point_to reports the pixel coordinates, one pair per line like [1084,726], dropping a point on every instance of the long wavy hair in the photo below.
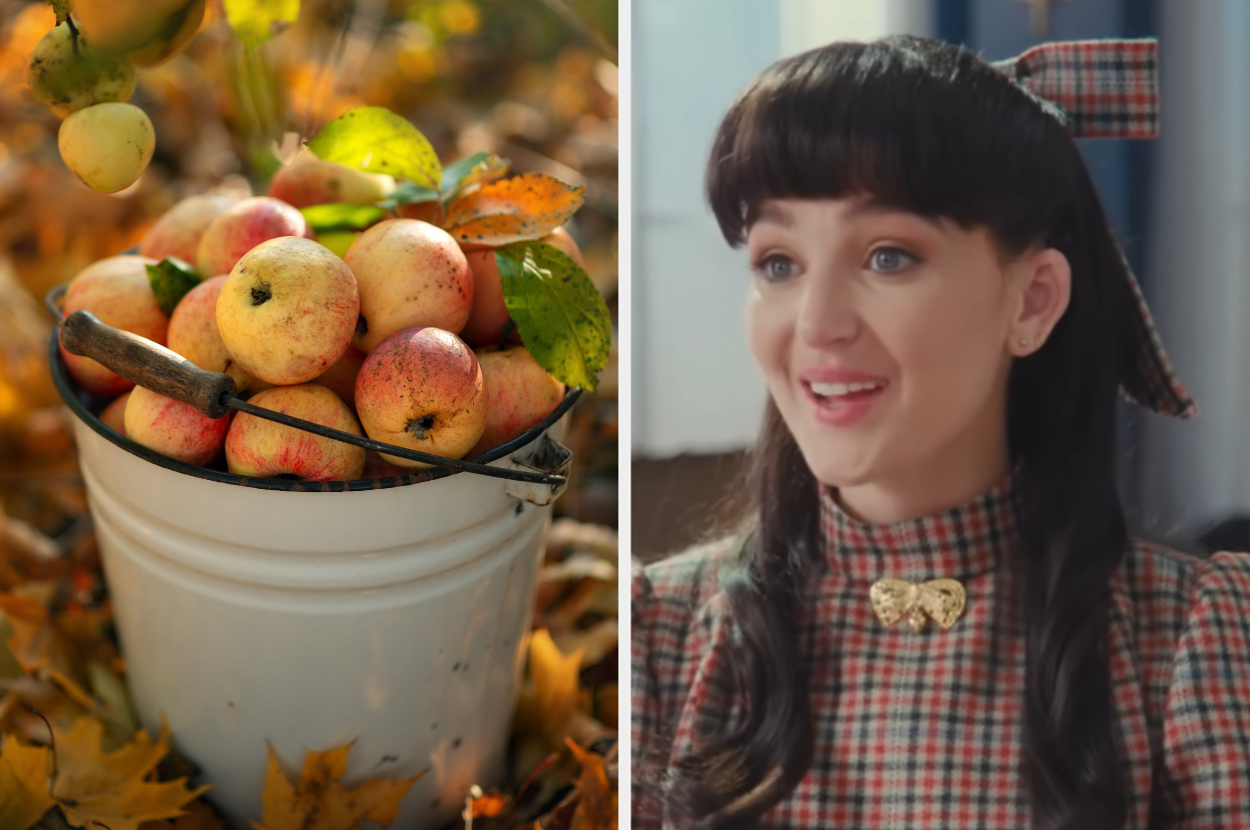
[932,129]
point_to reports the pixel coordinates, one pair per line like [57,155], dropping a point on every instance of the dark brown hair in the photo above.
[934,130]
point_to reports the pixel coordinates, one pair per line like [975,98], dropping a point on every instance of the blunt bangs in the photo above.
[917,125]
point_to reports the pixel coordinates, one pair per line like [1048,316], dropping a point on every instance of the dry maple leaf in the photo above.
[96,789]
[597,804]
[320,802]
[24,794]
[42,649]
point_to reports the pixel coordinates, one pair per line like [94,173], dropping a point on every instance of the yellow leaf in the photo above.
[41,647]
[528,206]
[555,681]
[23,784]
[596,808]
[96,789]
[320,802]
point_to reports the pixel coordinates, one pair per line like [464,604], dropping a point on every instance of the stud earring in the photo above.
[1023,343]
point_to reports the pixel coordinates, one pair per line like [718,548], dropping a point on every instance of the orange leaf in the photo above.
[23,784]
[320,802]
[528,206]
[112,790]
[597,807]
[41,647]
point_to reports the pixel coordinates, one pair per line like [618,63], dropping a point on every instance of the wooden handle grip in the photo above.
[148,364]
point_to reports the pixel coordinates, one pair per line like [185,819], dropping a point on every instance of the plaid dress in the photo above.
[923,730]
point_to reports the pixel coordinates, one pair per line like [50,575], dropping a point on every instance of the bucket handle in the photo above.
[167,373]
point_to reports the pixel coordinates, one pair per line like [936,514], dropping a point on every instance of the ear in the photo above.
[1043,289]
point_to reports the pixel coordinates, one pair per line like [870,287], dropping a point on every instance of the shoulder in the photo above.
[1164,580]
[687,580]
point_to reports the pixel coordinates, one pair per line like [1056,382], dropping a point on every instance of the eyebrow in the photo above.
[870,206]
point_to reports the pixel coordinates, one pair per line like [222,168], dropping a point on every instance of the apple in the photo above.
[489,318]
[65,74]
[340,378]
[146,32]
[114,415]
[376,466]
[108,145]
[115,289]
[174,428]
[259,447]
[411,273]
[241,227]
[309,180]
[287,311]
[193,334]
[422,389]
[177,233]
[519,394]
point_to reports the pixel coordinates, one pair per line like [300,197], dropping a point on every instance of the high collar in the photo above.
[955,543]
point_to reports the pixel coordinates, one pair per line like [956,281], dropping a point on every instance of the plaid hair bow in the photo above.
[1110,89]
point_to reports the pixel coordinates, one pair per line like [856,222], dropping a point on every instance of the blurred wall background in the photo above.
[1180,204]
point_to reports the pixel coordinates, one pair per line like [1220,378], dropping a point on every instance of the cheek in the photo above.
[951,357]
[768,330]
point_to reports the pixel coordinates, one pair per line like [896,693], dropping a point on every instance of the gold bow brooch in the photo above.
[941,599]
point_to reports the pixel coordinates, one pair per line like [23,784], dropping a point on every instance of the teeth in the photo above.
[826,390]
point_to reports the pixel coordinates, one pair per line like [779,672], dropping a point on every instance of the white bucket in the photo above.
[396,618]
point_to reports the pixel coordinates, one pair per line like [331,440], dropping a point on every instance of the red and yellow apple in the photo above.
[519,394]
[174,428]
[259,447]
[241,227]
[114,415]
[193,334]
[489,318]
[177,233]
[288,310]
[411,273]
[422,389]
[116,290]
[340,378]
[309,180]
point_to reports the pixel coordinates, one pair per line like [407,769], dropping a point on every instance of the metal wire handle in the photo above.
[89,331]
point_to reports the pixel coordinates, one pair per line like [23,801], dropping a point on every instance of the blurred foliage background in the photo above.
[532,80]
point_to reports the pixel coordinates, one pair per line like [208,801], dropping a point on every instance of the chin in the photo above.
[837,469]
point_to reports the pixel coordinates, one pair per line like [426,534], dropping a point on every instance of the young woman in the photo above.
[935,617]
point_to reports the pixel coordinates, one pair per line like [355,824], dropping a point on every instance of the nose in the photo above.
[827,315]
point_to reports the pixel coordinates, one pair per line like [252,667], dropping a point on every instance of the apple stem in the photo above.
[508,328]
[73,32]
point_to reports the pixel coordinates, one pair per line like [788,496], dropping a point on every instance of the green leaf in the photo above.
[171,279]
[408,193]
[256,21]
[476,169]
[561,316]
[376,140]
[342,216]
[61,7]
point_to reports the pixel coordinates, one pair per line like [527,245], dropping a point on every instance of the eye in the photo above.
[889,260]
[775,268]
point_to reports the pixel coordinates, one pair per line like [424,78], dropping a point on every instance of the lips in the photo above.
[841,396]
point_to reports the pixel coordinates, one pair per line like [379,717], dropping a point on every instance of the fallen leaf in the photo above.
[23,784]
[320,802]
[528,206]
[42,649]
[97,789]
[596,807]
[551,702]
